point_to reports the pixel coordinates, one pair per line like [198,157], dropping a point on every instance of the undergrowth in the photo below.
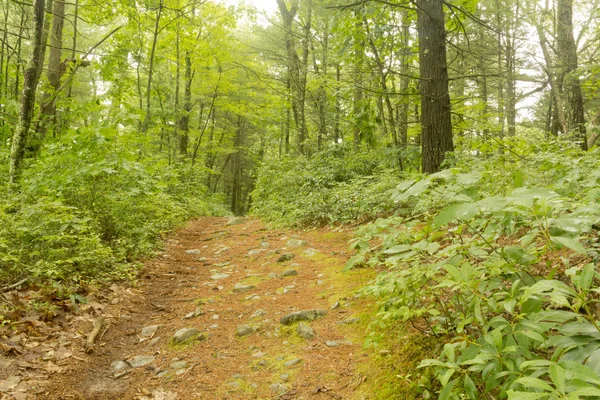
[497,259]
[89,206]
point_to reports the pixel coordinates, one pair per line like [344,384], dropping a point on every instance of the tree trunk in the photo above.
[146,122]
[567,52]
[436,124]
[184,127]
[404,81]
[30,82]
[47,118]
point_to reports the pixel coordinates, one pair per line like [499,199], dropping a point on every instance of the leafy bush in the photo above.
[87,205]
[499,264]
[336,185]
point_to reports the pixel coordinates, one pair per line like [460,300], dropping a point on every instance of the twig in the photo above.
[14,285]
[89,344]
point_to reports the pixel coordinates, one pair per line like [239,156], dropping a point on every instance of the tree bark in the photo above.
[30,82]
[567,52]
[146,123]
[436,124]
[47,117]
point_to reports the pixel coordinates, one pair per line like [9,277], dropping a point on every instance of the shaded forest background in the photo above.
[460,134]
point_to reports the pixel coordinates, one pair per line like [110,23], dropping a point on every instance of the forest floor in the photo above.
[230,287]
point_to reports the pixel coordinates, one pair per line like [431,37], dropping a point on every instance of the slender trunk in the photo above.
[146,122]
[404,82]
[184,127]
[47,117]
[554,89]
[30,81]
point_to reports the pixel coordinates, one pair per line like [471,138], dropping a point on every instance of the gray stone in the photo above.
[196,313]
[185,334]
[243,330]
[320,282]
[154,341]
[292,362]
[178,364]
[310,252]
[252,297]
[258,313]
[305,331]
[255,252]
[239,288]
[219,276]
[265,245]
[150,330]
[305,315]
[192,251]
[140,361]
[278,388]
[295,243]
[118,366]
[284,377]
[272,275]
[285,257]
[349,321]
[338,343]
[290,272]
[335,305]
[235,221]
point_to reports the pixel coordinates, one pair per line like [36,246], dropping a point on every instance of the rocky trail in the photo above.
[230,310]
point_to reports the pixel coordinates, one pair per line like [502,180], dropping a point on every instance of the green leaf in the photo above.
[512,395]
[530,382]
[557,374]
[401,248]
[587,277]
[461,211]
[572,244]
[447,391]
[470,388]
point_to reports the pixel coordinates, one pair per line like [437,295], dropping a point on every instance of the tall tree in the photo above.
[436,124]
[30,83]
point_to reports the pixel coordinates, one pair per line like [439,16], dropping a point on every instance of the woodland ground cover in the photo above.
[493,259]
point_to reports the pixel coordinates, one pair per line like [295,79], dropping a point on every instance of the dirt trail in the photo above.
[227,281]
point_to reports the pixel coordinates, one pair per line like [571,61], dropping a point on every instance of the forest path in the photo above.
[231,284]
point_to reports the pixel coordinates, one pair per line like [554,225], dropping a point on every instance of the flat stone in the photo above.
[290,272]
[292,362]
[140,361]
[178,365]
[320,282]
[185,334]
[239,288]
[219,276]
[305,315]
[235,221]
[243,330]
[118,366]
[338,343]
[285,257]
[310,252]
[349,321]
[258,313]
[252,297]
[196,313]
[150,330]
[295,243]
[272,275]
[192,251]
[154,341]
[284,377]
[305,331]
[278,388]
[255,252]
[265,245]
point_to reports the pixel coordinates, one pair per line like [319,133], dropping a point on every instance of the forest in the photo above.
[458,140]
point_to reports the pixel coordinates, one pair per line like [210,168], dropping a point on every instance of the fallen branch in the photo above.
[14,285]
[89,344]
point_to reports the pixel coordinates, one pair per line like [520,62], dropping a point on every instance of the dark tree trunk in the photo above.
[567,53]
[187,107]
[436,124]
[30,82]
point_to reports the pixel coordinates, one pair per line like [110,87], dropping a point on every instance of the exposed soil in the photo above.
[225,365]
